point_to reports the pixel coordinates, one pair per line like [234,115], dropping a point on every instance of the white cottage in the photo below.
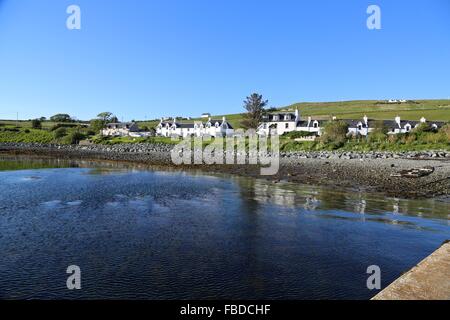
[281,123]
[120,129]
[213,128]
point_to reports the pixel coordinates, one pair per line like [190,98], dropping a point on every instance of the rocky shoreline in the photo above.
[369,171]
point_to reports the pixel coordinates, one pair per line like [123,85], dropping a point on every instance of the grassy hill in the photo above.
[412,110]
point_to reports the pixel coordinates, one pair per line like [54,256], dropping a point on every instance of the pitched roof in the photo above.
[280,115]
[304,123]
[191,125]
[122,125]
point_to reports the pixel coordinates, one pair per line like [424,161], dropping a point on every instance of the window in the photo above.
[359,126]
[316,124]
[408,128]
[287,125]
[275,118]
[287,117]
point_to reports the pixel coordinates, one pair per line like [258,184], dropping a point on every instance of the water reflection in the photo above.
[324,199]
[187,235]
[256,191]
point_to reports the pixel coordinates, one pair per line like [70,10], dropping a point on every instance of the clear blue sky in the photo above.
[146,58]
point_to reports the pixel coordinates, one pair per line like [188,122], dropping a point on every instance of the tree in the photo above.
[335,133]
[380,127]
[36,124]
[61,117]
[105,116]
[254,105]
[97,125]
[102,119]
[379,132]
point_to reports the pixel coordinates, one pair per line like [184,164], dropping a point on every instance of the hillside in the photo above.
[430,109]
[413,110]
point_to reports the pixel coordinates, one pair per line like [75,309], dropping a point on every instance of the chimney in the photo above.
[397,120]
[423,120]
[297,115]
[366,120]
[309,121]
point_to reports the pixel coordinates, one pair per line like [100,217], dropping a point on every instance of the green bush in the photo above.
[445,131]
[63,125]
[376,137]
[60,132]
[36,124]
[334,134]
[73,138]
[298,134]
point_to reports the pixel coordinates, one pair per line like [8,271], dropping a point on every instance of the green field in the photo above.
[430,109]
[22,131]
[26,124]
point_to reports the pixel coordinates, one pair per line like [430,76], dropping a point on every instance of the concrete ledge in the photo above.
[429,280]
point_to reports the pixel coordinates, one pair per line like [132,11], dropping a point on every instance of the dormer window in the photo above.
[359,126]
[275,118]
[316,124]
[287,117]
[408,128]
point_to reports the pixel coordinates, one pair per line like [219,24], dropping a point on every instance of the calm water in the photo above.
[168,235]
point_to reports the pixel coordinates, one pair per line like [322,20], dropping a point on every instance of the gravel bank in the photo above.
[359,171]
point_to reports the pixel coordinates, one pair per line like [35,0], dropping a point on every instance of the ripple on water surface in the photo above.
[166,235]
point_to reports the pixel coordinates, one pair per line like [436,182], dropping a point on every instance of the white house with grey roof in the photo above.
[120,129]
[279,123]
[213,128]
[284,122]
